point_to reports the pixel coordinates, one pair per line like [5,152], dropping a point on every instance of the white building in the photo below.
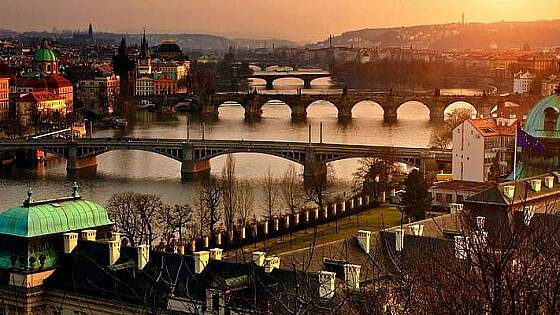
[523,82]
[478,144]
[144,85]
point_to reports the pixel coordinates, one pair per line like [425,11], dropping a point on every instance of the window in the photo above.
[550,119]
[215,302]
[439,197]
[449,198]
[460,198]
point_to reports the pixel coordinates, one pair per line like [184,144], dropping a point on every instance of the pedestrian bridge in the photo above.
[195,155]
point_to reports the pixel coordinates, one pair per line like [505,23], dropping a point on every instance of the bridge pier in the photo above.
[269,84]
[307,83]
[390,116]
[314,171]
[436,114]
[84,165]
[191,170]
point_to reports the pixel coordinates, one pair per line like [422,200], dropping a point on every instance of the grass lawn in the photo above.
[371,220]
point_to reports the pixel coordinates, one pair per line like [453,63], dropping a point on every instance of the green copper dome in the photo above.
[53,217]
[44,55]
[543,120]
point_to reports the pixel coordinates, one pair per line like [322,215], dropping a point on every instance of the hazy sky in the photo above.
[300,20]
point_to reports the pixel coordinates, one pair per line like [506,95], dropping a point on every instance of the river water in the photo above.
[146,172]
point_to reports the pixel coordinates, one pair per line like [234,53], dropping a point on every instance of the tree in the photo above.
[210,198]
[228,184]
[135,215]
[244,202]
[291,191]
[270,186]
[443,134]
[174,221]
[416,198]
[375,175]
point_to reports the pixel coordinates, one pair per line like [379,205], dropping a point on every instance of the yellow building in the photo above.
[39,104]
[4,98]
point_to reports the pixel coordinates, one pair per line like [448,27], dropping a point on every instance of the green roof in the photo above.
[534,124]
[53,217]
[44,55]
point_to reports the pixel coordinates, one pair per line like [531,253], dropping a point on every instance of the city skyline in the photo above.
[307,23]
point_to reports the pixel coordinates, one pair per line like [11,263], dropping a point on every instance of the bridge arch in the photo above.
[460,104]
[367,109]
[230,109]
[276,108]
[413,109]
[276,163]
[321,108]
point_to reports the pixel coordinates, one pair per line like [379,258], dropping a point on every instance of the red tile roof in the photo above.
[488,127]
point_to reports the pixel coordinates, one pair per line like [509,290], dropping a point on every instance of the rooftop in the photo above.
[54,216]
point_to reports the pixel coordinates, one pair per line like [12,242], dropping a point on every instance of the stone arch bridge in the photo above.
[344,102]
[306,76]
[195,155]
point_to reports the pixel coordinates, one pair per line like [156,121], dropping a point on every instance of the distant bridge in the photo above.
[306,76]
[344,102]
[195,155]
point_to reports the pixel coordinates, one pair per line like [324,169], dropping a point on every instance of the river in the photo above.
[146,172]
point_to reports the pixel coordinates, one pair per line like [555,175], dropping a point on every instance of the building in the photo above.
[523,82]
[550,85]
[164,84]
[483,149]
[63,256]
[446,193]
[45,61]
[176,70]
[144,61]
[169,50]
[4,98]
[33,105]
[99,95]
[144,85]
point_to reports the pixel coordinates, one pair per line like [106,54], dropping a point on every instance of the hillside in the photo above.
[502,35]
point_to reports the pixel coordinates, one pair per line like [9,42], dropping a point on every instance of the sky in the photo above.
[298,20]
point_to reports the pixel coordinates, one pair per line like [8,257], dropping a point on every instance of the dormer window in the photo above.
[550,119]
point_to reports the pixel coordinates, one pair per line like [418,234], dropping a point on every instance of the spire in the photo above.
[144,46]
[90,31]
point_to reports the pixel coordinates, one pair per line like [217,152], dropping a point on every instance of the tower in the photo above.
[463,18]
[90,31]
[144,54]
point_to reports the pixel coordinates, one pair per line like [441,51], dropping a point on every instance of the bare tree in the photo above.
[270,186]
[174,221]
[135,215]
[442,135]
[244,202]
[375,175]
[211,198]
[228,183]
[291,190]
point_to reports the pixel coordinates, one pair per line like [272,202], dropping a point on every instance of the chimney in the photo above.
[480,222]
[88,235]
[363,239]
[352,276]
[270,263]
[114,251]
[549,181]
[536,185]
[509,191]
[200,261]
[143,256]
[258,258]
[461,246]
[326,284]
[399,239]
[116,236]
[417,229]
[70,242]
[216,254]
[456,207]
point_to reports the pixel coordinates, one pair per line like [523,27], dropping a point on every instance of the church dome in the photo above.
[168,46]
[44,55]
[55,216]
[542,120]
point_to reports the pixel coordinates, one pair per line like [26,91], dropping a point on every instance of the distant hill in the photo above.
[502,35]
[187,42]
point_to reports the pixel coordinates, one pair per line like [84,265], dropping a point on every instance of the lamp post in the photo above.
[188,128]
[321,132]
